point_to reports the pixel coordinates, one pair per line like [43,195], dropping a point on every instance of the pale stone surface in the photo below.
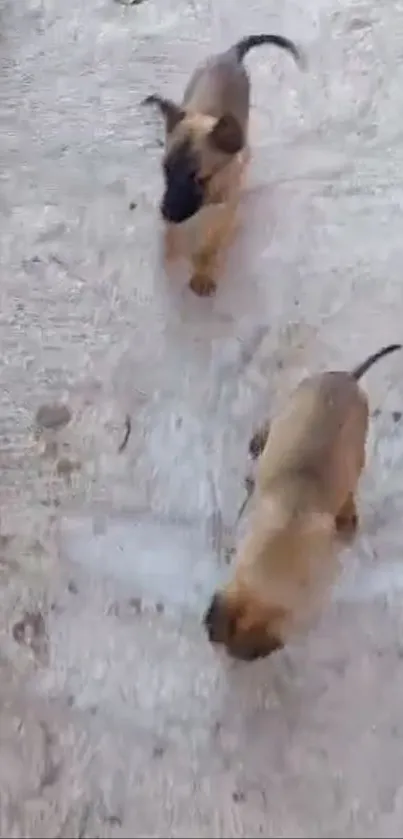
[117,719]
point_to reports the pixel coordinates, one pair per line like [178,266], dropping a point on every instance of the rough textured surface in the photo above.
[117,719]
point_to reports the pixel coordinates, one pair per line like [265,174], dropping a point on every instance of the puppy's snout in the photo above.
[241,643]
[215,621]
[182,199]
[178,206]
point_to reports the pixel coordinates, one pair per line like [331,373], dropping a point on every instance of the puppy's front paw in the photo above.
[203,285]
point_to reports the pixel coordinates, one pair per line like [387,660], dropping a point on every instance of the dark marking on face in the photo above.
[183,195]
[217,622]
[243,642]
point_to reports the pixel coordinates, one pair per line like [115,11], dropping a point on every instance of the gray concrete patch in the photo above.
[116,717]
[168,563]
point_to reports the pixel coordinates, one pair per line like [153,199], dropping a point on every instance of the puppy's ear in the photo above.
[227,135]
[171,112]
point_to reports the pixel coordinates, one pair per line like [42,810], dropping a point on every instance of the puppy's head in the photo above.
[283,567]
[241,624]
[197,147]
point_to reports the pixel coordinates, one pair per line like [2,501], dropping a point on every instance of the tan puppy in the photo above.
[304,495]
[206,152]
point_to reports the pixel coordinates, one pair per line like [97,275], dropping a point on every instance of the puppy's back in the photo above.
[219,85]
[321,433]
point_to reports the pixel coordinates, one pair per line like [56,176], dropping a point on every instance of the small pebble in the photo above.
[228,554]
[238,796]
[114,821]
[135,603]
[53,417]
[19,631]
[113,609]
[65,467]
[357,23]
[30,629]
[51,449]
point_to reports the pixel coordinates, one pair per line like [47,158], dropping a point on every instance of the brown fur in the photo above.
[208,132]
[224,179]
[306,479]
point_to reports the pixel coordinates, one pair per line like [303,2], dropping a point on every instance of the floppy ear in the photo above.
[172,113]
[227,135]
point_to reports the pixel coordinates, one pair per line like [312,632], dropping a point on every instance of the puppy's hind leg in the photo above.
[347,518]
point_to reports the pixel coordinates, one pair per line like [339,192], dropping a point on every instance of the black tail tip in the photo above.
[302,59]
[300,56]
[151,99]
[242,47]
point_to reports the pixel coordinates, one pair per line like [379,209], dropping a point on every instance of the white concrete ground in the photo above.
[116,717]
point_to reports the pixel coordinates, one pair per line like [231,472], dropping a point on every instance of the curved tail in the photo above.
[245,44]
[361,369]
